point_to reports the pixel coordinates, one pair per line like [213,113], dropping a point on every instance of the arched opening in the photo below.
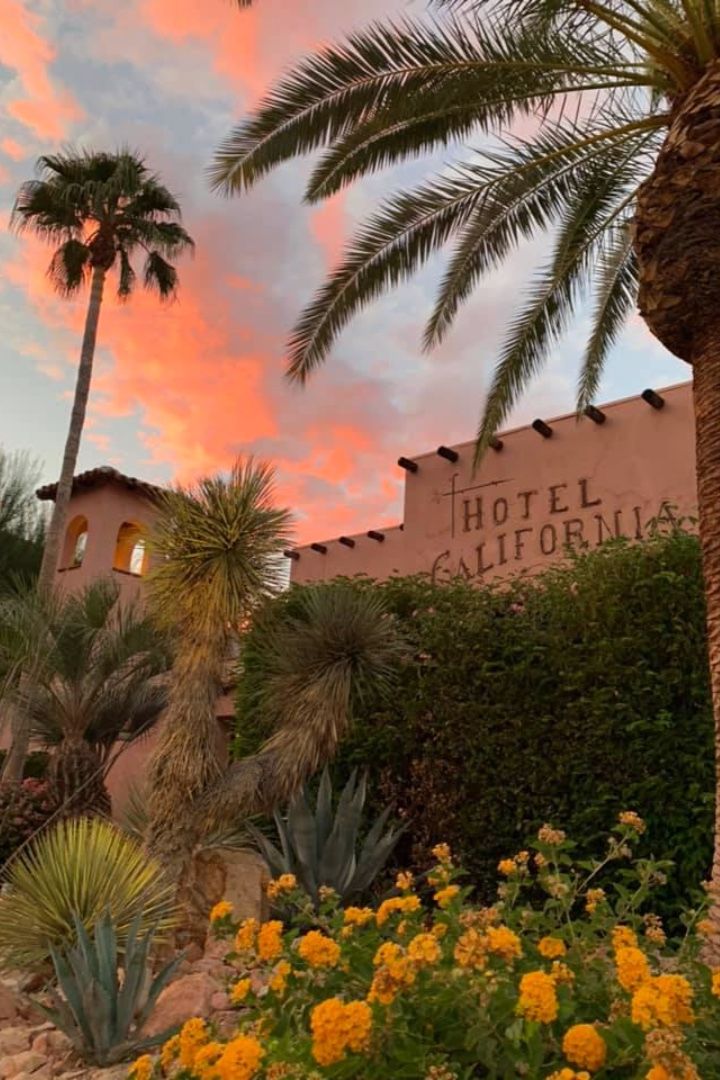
[131,555]
[75,544]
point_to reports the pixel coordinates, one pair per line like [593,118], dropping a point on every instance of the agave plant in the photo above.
[74,872]
[320,847]
[104,999]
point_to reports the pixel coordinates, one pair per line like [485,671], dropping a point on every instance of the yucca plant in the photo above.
[104,999]
[74,872]
[320,847]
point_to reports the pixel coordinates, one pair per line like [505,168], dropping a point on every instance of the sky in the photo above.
[181,390]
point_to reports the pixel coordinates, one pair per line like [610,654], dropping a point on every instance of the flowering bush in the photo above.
[558,980]
[24,808]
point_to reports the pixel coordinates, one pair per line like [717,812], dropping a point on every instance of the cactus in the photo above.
[104,997]
[320,848]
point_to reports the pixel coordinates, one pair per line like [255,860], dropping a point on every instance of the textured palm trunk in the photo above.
[78,780]
[184,765]
[20,722]
[677,241]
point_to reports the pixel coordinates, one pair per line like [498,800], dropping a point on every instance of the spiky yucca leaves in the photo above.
[96,667]
[600,81]
[219,550]
[78,869]
[317,661]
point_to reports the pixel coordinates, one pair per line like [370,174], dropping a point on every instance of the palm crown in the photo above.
[100,209]
[599,80]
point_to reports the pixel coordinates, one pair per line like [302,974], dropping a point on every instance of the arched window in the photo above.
[131,554]
[75,544]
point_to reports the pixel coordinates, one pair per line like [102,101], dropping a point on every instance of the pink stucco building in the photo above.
[542,487]
[556,482]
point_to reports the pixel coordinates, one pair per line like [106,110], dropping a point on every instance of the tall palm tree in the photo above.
[220,544]
[100,210]
[97,678]
[622,172]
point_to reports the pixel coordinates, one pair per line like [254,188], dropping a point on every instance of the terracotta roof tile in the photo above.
[98,477]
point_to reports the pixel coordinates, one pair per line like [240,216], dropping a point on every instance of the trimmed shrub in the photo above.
[562,697]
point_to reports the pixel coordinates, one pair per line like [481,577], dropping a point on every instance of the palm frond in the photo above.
[385,66]
[523,190]
[69,267]
[386,251]
[126,277]
[160,275]
[597,200]
[614,300]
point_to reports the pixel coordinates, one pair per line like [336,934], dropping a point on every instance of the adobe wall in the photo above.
[532,498]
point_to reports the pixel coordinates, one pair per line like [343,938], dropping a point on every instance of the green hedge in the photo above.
[562,698]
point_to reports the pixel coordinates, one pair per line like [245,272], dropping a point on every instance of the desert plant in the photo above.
[77,870]
[24,809]
[320,847]
[95,680]
[104,999]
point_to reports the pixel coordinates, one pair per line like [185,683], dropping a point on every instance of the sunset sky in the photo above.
[180,390]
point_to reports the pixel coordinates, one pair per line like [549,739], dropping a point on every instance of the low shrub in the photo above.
[78,869]
[557,980]
[24,808]
[559,697]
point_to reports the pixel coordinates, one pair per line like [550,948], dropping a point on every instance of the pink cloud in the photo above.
[46,111]
[13,149]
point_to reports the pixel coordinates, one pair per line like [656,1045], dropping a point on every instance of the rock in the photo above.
[193,953]
[51,1043]
[26,1062]
[9,1004]
[188,996]
[219,1002]
[45,1073]
[237,876]
[13,1040]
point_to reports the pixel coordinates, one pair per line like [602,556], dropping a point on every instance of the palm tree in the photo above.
[219,545]
[97,678]
[622,173]
[100,210]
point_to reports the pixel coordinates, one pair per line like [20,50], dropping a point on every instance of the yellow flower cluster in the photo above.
[221,911]
[593,897]
[538,999]
[404,904]
[550,836]
[283,884]
[623,937]
[240,991]
[551,947]
[444,897]
[632,821]
[583,1045]
[240,1060]
[424,950]
[246,935]
[404,881]
[318,950]
[442,853]
[394,971]
[192,1036]
[270,940]
[715,985]
[337,1027]
[632,967]
[473,947]
[142,1068]
[516,865]
[169,1052]
[663,1001]
[569,1074]
[278,981]
[503,942]
[357,916]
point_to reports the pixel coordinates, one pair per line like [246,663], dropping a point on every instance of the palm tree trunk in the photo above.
[78,780]
[20,722]
[706,392]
